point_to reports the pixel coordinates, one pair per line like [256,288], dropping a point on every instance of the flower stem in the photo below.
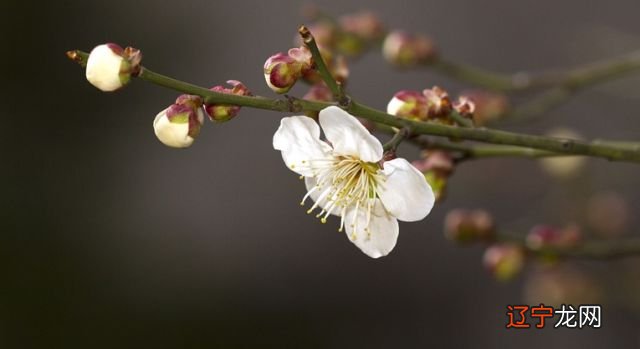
[610,151]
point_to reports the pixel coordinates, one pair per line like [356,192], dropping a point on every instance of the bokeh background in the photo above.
[111,240]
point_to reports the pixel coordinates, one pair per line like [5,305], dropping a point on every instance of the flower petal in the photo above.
[348,136]
[315,193]
[298,137]
[405,194]
[381,234]
[172,134]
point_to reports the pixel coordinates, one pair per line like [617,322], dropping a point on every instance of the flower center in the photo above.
[345,183]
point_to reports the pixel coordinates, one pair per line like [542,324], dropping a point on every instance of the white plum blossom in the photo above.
[346,176]
[107,69]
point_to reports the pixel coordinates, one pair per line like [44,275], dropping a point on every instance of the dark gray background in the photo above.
[111,240]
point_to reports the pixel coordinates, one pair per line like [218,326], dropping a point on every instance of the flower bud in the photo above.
[179,124]
[544,236]
[489,106]
[438,102]
[438,161]
[408,105]
[225,112]
[407,50]
[465,226]
[336,65]
[110,67]
[358,31]
[319,92]
[366,25]
[437,166]
[504,260]
[465,107]
[281,72]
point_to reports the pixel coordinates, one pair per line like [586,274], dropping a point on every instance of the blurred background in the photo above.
[111,239]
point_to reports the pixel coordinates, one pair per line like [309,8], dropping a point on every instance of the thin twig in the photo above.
[589,249]
[321,66]
[397,138]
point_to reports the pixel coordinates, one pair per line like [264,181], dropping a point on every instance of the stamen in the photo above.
[345,182]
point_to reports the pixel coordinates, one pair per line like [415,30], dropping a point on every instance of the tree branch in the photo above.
[565,146]
[589,249]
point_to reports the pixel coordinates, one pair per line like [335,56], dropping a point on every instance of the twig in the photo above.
[589,249]
[558,145]
[471,152]
[321,67]
[397,138]
[460,119]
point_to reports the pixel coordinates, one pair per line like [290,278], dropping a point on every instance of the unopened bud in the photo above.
[359,31]
[504,261]
[336,64]
[281,72]
[179,124]
[366,25]
[407,50]
[225,112]
[408,105]
[465,107]
[489,106]
[544,236]
[465,226]
[438,102]
[110,67]
[438,161]
[319,92]
[437,166]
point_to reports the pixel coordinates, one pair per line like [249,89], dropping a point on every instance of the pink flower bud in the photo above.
[489,106]
[179,124]
[438,102]
[407,50]
[110,67]
[365,25]
[468,226]
[225,112]
[437,166]
[281,72]
[408,105]
[464,106]
[504,260]
[319,92]
[545,236]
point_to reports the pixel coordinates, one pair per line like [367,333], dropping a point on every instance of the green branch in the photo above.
[558,145]
[589,249]
[397,138]
[321,66]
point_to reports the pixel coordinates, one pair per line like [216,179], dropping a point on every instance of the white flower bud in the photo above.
[110,67]
[178,125]
[107,69]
